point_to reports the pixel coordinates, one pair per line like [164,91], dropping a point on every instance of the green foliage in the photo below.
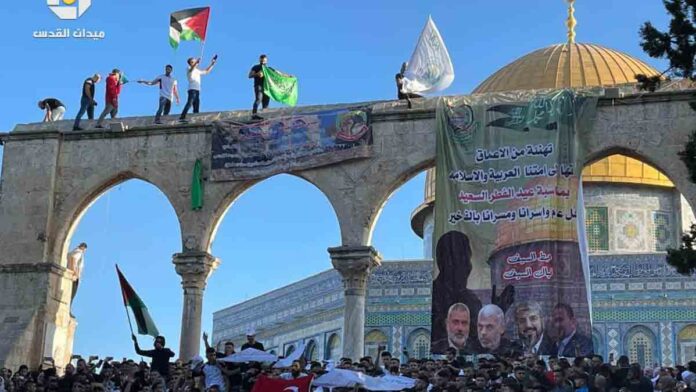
[678,45]
[649,83]
[684,258]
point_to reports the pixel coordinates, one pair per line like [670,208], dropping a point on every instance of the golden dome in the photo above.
[567,66]
[625,170]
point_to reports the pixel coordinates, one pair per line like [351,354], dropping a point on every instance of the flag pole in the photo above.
[130,324]
[129,320]
[202,50]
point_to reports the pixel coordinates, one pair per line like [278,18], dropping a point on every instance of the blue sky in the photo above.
[342,51]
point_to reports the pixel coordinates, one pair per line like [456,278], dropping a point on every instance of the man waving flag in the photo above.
[430,68]
[146,326]
[188,25]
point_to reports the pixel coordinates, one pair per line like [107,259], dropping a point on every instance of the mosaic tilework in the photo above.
[666,337]
[629,230]
[597,225]
[613,343]
[662,230]
[397,335]
[644,314]
[376,319]
[421,346]
[641,346]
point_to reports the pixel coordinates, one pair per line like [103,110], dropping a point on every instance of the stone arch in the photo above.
[76,203]
[226,202]
[391,188]
[640,344]
[418,343]
[289,349]
[333,347]
[639,224]
[686,344]
[598,343]
[657,158]
[311,352]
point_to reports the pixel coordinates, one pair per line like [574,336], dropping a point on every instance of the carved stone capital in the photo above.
[354,263]
[195,268]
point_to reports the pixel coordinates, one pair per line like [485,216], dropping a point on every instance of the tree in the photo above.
[682,258]
[678,45]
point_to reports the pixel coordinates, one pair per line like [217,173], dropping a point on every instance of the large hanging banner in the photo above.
[247,151]
[508,273]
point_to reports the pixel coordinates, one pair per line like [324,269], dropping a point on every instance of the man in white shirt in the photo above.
[213,372]
[194,79]
[76,259]
[168,89]
[295,372]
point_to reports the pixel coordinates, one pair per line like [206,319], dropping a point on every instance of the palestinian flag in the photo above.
[142,317]
[188,25]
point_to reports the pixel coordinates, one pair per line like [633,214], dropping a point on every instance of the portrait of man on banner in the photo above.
[508,275]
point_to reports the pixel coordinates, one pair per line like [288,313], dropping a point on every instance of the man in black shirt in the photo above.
[256,73]
[55,110]
[160,355]
[251,341]
[87,102]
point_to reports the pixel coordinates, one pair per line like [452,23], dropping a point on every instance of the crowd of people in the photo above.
[54,109]
[452,373]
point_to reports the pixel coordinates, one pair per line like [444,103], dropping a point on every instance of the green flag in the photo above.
[279,86]
[197,186]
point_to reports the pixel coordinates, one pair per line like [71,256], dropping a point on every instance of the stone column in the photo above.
[194,268]
[354,263]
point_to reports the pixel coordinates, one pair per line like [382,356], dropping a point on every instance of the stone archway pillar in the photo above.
[354,263]
[194,268]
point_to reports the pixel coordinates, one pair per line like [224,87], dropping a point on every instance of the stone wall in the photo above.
[50,176]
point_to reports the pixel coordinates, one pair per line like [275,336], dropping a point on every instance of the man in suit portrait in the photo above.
[458,325]
[491,328]
[530,329]
[570,342]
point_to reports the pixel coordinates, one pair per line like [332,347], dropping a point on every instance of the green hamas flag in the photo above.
[279,86]
[197,186]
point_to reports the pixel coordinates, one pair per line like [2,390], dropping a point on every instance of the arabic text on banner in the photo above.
[508,275]
[262,149]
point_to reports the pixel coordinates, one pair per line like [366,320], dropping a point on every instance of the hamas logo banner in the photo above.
[303,141]
[508,274]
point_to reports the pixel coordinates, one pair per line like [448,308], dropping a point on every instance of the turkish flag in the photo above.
[266,384]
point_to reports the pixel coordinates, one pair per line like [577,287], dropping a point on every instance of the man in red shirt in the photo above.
[113,89]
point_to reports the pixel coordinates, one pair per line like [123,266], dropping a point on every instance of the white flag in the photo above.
[294,356]
[250,355]
[430,68]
